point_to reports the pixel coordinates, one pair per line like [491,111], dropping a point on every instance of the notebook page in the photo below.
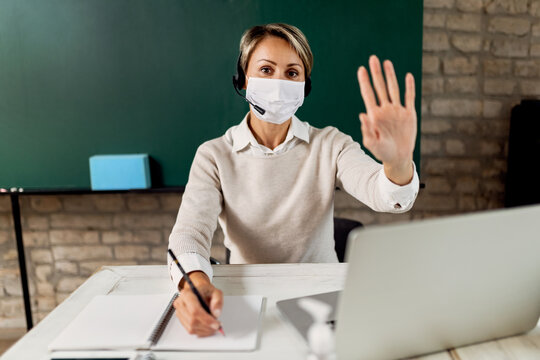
[111,322]
[240,320]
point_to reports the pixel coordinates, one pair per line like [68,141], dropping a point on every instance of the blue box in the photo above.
[120,172]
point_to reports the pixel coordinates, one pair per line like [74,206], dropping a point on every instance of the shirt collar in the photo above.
[299,129]
[242,135]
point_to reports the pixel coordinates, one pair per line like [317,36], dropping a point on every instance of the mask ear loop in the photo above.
[239,79]
[307,86]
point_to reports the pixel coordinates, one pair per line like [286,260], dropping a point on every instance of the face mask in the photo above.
[280,98]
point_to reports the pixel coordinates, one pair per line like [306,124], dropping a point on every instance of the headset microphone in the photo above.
[256,107]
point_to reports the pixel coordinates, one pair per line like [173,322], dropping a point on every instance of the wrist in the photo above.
[197,278]
[399,173]
[398,166]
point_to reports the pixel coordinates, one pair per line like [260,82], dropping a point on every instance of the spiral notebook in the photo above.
[147,322]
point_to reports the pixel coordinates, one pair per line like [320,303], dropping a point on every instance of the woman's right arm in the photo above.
[189,311]
[191,239]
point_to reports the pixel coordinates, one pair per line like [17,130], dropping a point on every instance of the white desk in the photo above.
[275,282]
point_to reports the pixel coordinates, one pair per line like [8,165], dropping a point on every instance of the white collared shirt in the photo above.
[244,140]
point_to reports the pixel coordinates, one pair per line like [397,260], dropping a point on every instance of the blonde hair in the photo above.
[291,34]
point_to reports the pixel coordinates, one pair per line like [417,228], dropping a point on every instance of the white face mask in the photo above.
[280,98]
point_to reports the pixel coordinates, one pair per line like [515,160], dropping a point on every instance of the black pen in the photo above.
[193,288]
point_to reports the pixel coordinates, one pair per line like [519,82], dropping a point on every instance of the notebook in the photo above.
[147,322]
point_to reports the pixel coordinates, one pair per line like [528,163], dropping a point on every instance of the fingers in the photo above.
[364,126]
[368,132]
[216,303]
[378,79]
[366,90]
[194,307]
[391,82]
[386,90]
[410,92]
[192,315]
[191,327]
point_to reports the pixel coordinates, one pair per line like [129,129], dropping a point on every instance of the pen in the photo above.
[193,288]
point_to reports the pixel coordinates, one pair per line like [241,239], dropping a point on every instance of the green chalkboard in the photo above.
[86,77]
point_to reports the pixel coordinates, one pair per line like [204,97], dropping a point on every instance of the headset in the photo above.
[239,80]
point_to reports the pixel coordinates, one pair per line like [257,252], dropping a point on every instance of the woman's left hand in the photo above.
[388,128]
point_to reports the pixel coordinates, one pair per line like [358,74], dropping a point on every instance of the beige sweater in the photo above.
[279,208]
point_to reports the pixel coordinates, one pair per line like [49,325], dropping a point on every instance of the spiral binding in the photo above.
[163,321]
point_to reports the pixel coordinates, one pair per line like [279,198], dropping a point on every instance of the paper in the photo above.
[121,322]
[112,322]
[239,319]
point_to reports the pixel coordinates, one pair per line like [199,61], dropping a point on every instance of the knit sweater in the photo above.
[277,208]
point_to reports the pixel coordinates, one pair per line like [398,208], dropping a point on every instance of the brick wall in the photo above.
[481,57]
[67,238]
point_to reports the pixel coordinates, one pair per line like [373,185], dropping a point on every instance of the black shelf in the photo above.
[171,189]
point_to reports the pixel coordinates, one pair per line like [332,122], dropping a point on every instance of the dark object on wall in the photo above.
[342,228]
[523,177]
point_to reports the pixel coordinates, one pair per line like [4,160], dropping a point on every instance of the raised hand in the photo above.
[388,128]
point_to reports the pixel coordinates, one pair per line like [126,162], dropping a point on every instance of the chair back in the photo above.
[342,228]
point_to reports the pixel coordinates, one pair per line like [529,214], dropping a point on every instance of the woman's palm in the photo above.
[388,128]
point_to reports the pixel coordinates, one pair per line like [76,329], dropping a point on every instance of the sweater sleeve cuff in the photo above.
[399,197]
[190,262]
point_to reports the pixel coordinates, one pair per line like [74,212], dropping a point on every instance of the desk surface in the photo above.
[275,282]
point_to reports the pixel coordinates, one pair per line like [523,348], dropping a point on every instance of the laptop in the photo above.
[431,285]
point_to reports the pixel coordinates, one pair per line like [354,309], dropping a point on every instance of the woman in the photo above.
[270,180]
